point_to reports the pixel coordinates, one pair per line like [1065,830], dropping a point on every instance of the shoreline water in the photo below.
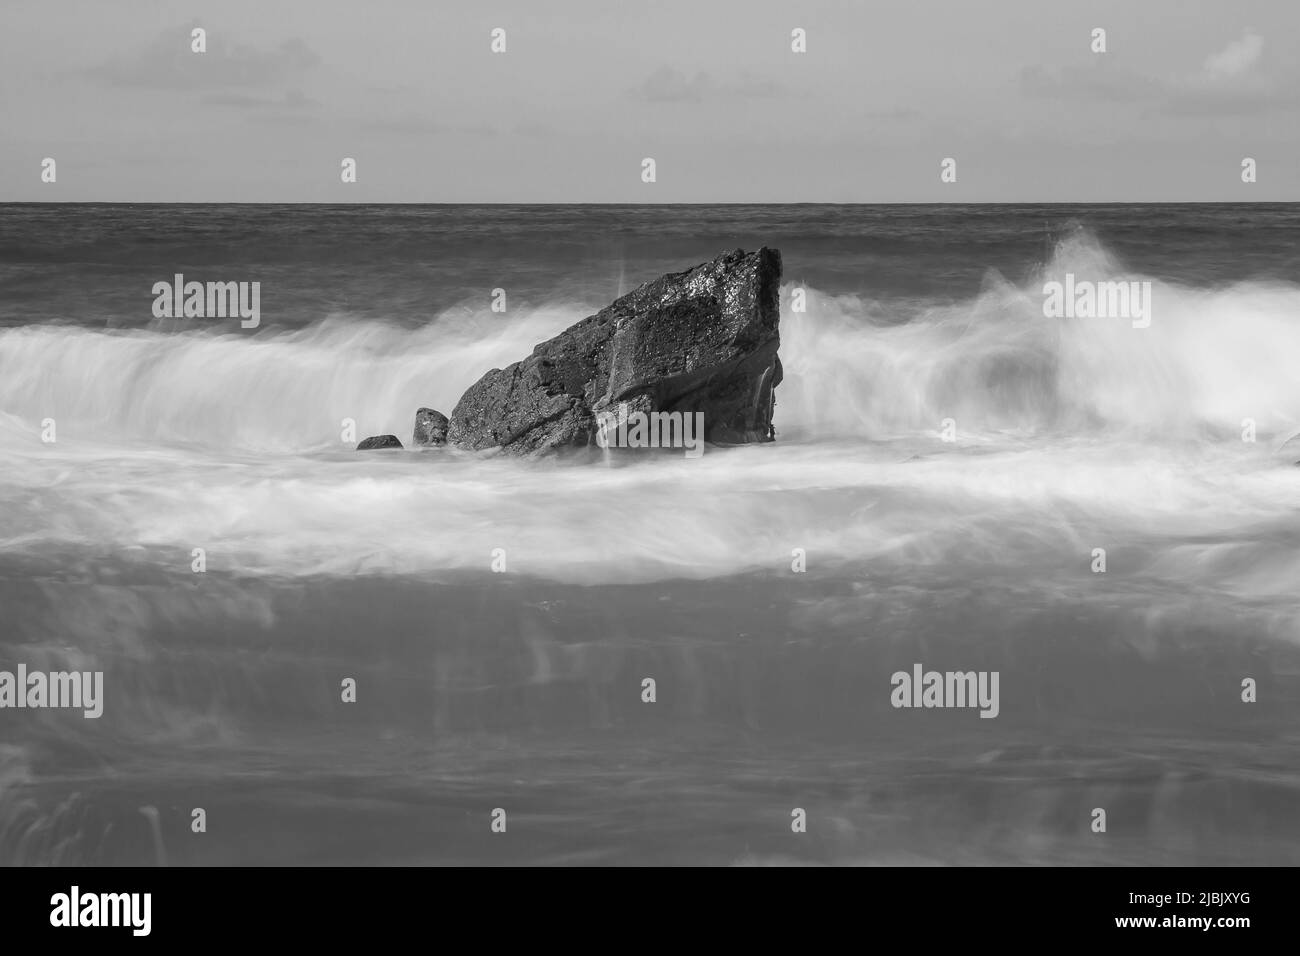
[525,694]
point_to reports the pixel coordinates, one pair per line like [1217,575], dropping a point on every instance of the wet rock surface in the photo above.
[379,441]
[704,340]
[430,428]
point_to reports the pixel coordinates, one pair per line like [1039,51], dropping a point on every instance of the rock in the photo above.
[379,441]
[704,340]
[430,427]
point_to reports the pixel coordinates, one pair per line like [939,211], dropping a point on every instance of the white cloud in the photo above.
[1237,57]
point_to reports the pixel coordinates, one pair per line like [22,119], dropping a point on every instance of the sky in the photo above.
[709,89]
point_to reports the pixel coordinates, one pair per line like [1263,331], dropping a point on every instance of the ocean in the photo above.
[948,463]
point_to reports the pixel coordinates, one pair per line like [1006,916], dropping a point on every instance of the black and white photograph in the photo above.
[605,434]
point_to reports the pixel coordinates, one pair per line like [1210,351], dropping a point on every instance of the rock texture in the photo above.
[703,340]
[430,428]
[379,441]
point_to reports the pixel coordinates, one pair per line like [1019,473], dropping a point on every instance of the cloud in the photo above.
[1088,83]
[419,125]
[291,108]
[1252,100]
[292,100]
[753,86]
[1236,58]
[167,63]
[1226,84]
[668,85]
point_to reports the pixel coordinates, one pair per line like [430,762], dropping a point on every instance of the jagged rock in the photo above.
[430,427]
[379,441]
[704,340]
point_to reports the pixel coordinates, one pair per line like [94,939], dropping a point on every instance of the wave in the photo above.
[1070,433]
[994,363]
[284,392]
[855,366]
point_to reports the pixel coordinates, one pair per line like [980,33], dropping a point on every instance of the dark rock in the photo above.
[704,340]
[430,427]
[379,441]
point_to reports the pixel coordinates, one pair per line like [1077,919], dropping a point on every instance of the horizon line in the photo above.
[984,202]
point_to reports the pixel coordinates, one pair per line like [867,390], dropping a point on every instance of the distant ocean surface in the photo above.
[93,264]
[522,690]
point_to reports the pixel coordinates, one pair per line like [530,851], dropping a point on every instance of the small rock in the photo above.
[379,441]
[430,427]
